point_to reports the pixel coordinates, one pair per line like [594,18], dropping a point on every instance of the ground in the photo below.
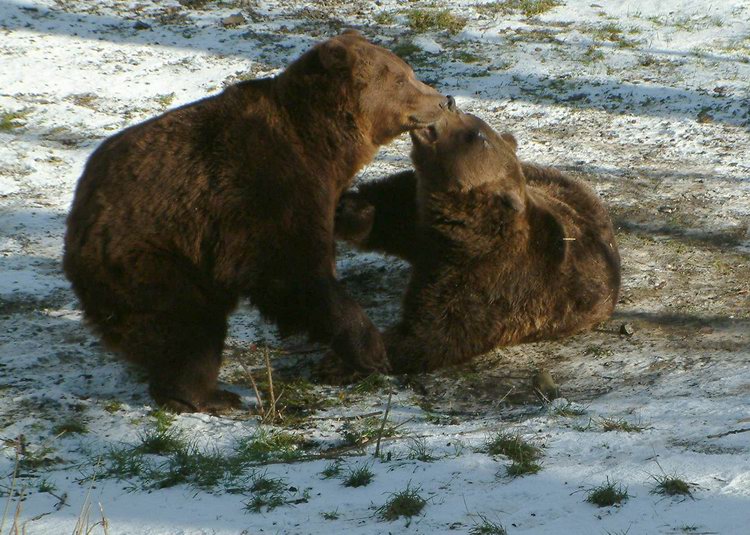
[646,101]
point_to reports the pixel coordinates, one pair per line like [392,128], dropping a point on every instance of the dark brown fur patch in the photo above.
[502,252]
[175,218]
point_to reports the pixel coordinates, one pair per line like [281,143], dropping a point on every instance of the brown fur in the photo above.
[234,195]
[502,252]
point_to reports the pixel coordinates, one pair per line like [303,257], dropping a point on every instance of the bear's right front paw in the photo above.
[354,218]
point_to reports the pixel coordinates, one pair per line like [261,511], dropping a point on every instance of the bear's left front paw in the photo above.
[354,218]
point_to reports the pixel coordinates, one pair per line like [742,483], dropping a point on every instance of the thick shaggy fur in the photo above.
[502,252]
[175,218]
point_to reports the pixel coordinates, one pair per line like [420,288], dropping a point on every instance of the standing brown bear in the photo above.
[234,195]
[502,252]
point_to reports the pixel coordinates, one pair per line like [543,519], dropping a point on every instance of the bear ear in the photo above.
[510,140]
[513,200]
[353,33]
[334,55]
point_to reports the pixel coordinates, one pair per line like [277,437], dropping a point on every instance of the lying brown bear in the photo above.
[234,195]
[502,252]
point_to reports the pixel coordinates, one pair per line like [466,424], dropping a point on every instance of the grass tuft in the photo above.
[487,527]
[331,470]
[425,20]
[406,503]
[420,451]
[372,383]
[365,430]
[359,477]
[331,515]
[529,8]
[612,424]
[264,446]
[523,468]
[608,494]
[9,119]
[672,486]
[406,50]
[162,442]
[71,426]
[512,446]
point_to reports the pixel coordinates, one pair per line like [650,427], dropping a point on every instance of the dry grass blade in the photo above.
[10,491]
[382,425]
[255,389]
[267,358]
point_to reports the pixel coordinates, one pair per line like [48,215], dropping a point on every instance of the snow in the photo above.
[656,119]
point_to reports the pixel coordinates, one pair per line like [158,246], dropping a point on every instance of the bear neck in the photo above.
[323,110]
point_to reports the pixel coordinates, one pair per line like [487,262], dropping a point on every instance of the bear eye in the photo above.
[474,136]
[400,80]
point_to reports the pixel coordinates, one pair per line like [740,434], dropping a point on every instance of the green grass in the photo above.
[45,485]
[359,477]
[512,446]
[608,494]
[372,383]
[70,426]
[270,492]
[384,18]
[522,468]
[332,469]
[162,442]
[468,57]
[406,50]
[365,430]
[487,527]
[672,486]
[567,410]
[614,34]
[612,424]
[426,20]
[420,451]
[406,503]
[123,463]
[523,455]
[265,445]
[263,484]
[593,54]
[112,406]
[331,515]
[163,419]
[183,462]
[528,8]
[9,119]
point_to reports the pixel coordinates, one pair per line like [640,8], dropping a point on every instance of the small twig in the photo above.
[10,491]
[255,389]
[104,521]
[270,383]
[732,432]
[382,424]
[356,417]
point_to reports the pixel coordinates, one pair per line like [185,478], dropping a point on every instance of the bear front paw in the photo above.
[354,218]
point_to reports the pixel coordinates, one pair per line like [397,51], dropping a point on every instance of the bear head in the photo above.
[386,97]
[460,152]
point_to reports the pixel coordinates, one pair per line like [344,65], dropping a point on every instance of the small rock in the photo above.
[626,329]
[140,25]
[233,20]
[544,385]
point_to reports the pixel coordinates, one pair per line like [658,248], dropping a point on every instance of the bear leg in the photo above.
[182,354]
